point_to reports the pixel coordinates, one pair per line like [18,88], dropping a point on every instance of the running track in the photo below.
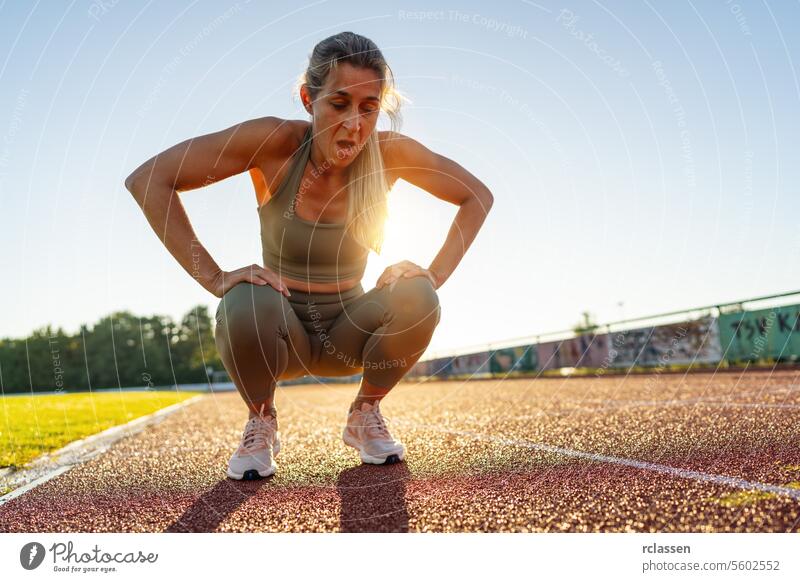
[703,452]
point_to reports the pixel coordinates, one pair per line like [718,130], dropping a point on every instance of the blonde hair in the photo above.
[367,185]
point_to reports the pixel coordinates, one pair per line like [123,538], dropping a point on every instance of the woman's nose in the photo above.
[353,123]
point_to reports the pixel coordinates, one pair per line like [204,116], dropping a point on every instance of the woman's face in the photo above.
[345,112]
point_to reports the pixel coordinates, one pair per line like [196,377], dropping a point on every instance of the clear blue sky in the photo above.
[643,153]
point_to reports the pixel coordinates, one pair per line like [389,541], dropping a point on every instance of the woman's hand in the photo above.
[405,270]
[255,274]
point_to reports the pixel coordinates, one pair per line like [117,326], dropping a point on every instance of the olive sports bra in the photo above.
[301,249]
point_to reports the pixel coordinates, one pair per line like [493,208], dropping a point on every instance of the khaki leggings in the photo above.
[263,336]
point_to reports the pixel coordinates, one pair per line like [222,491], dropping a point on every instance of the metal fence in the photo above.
[757,329]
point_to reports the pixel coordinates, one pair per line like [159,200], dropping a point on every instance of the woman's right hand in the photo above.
[255,274]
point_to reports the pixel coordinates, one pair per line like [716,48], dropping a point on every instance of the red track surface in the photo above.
[481,457]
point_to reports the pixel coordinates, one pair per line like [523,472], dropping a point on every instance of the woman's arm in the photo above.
[195,163]
[410,160]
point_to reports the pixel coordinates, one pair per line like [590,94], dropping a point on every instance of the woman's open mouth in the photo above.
[346,148]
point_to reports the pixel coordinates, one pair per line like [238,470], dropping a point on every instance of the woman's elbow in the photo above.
[141,182]
[485,199]
[130,182]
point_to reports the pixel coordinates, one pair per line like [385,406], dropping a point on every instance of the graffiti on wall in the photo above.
[677,343]
[516,359]
[745,336]
[766,333]
[583,351]
[441,367]
[435,367]
[470,363]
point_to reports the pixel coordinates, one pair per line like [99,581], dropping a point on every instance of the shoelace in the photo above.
[258,432]
[375,424]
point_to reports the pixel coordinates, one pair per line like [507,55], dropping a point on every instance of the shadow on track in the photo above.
[214,506]
[373,498]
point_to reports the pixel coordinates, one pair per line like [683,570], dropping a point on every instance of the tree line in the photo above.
[120,350]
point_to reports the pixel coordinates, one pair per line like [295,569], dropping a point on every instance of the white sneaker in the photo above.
[260,443]
[366,431]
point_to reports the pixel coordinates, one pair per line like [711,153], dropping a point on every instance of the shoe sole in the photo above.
[252,474]
[389,459]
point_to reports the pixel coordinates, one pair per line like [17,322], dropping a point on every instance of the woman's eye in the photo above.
[344,106]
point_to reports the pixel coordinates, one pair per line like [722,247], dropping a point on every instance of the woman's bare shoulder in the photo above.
[282,137]
[391,146]
[388,139]
[395,145]
[395,150]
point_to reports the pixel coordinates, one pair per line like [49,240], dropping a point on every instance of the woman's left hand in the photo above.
[405,270]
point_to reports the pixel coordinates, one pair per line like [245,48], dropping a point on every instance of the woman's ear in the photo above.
[305,97]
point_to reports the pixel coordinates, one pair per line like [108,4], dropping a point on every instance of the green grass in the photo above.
[32,425]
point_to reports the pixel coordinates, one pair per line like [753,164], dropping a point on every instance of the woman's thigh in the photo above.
[251,318]
[406,312]
[340,344]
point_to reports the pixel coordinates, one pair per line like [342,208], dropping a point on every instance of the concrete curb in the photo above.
[50,465]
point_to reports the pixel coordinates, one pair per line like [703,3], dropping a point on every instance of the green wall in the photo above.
[766,333]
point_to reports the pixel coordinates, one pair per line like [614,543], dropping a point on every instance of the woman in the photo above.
[321,187]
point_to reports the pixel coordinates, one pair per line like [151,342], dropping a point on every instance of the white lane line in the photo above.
[695,403]
[753,405]
[734,482]
[33,484]
[632,405]
[51,465]
[615,404]
[651,404]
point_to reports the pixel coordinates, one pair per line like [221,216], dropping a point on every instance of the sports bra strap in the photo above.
[295,173]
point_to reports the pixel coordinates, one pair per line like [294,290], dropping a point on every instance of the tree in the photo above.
[120,350]
[586,325]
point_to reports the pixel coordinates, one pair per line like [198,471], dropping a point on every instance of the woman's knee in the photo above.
[249,310]
[414,299]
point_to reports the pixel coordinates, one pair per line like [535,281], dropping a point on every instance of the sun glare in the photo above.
[411,232]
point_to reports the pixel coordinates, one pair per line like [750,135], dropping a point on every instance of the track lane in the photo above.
[478,460]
